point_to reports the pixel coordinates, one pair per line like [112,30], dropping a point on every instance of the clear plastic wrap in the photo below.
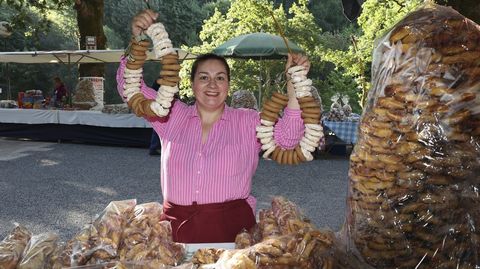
[414,173]
[300,249]
[131,265]
[12,247]
[283,238]
[98,242]
[38,252]
[347,109]
[336,109]
[147,239]
[244,99]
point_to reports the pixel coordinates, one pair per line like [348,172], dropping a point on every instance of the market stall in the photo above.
[77,125]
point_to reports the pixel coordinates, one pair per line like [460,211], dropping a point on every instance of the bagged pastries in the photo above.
[12,246]
[415,170]
[38,253]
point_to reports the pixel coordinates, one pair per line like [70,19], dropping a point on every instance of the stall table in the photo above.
[78,125]
[340,134]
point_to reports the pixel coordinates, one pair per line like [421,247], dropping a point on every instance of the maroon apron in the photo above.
[208,223]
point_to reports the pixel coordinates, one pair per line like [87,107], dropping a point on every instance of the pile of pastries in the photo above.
[283,238]
[125,232]
[415,170]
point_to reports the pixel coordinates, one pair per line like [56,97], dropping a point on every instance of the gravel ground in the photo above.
[59,187]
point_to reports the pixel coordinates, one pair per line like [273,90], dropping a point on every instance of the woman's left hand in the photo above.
[296,59]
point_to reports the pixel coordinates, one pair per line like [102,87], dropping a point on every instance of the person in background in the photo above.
[59,92]
[210,151]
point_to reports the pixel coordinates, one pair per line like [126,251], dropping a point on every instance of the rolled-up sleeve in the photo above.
[289,129]
[148,92]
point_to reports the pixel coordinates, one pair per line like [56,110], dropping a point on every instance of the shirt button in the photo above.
[200,154]
[198,172]
[197,192]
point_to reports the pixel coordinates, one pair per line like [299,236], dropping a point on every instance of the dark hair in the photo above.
[205,57]
[57,79]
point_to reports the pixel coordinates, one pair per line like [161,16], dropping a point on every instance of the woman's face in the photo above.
[210,85]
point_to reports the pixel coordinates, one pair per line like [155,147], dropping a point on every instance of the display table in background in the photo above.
[344,130]
[78,125]
[340,136]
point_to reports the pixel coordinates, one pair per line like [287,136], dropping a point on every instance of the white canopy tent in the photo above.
[75,56]
[72,57]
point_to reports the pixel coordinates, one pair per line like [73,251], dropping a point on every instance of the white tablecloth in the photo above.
[82,117]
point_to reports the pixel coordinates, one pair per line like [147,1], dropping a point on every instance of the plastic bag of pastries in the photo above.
[296,250]
[336,109]
[12,246]
[147,239]
[98,242]
[414,173]
[244,99]
[38,252]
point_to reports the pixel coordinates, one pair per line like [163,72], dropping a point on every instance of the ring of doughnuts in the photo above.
[311,114]
[133,73]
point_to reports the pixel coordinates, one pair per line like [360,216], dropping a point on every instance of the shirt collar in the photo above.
[226,115]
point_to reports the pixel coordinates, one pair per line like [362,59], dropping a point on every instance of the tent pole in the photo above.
[260,86]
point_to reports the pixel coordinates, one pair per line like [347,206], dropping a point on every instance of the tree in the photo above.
[62,34]
[254,16]
[90,23]
[377,17]
[182,18]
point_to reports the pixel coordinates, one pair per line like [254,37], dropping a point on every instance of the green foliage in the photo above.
[251,16]
[182,19]
[378,16]
[21,17]
[328,15]
[62,34]
[337,82]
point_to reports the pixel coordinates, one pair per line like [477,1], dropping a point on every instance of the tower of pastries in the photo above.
[414,173]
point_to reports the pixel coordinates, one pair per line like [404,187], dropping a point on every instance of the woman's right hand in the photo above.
[142,21]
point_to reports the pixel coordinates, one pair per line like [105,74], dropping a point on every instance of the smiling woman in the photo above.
[210,151]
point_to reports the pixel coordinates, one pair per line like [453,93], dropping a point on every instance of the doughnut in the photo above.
[274,105]
[306,100]
[162,82]
[271,108]
[311,115]
[299,154]
[267,123]
[268,152]
[279,101]
[172,67]
[264,129]
[310,104]
[311,121]
[267,118]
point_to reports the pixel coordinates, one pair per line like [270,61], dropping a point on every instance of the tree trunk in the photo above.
[90,23]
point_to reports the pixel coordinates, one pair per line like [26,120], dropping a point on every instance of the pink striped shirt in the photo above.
[221,169]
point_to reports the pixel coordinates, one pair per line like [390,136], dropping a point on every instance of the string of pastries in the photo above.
[415,170]
[311,114]
[168,79]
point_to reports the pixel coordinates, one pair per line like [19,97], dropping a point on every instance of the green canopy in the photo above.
[256,46]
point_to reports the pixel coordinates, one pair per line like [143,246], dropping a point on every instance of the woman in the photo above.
[210,151]
[59,92]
